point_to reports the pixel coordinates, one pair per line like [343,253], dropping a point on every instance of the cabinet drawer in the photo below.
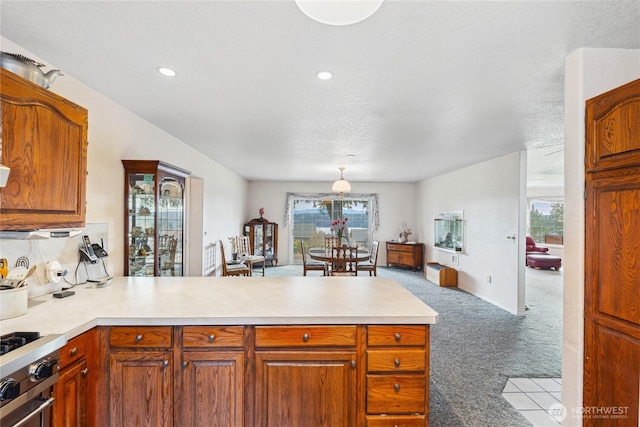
[399,248]
[140,336]
[75,349]
[396,335]
[396,360]
[305,336]
[212,336]
[396,394]
[395,421]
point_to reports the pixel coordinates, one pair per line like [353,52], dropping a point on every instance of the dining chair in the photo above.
[371,265]
[244,254]
[330,242]
[344,261]
[311,265]
[239,269]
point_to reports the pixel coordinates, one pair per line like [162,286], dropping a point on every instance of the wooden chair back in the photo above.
[344,260]
[331,242]
[233,269]
[244,246]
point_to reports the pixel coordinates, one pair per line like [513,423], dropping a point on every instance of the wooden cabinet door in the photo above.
[309,388]
[612,258]
[140,385]
[70,393]
[212,389]
[44,142]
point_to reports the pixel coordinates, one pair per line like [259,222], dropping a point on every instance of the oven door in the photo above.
[30,409]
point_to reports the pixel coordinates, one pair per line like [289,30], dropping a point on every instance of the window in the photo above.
[546,221]
[310,218]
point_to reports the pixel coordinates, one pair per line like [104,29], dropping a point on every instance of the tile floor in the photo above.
[534,397]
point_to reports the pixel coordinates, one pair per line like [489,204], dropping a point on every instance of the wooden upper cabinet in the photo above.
[44,142]
[613,132]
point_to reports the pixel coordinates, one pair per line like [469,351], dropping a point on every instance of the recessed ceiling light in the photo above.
[166,71]
[339,12]
[324,75]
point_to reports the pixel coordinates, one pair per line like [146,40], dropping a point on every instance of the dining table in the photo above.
[324,254]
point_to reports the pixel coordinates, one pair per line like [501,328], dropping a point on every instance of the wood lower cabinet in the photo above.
[74,392]
[397,379]
[264,376]
[141,376]
[306,376]
[405,255]
[212,390]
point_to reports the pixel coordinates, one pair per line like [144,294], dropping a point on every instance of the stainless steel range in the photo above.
[29,367]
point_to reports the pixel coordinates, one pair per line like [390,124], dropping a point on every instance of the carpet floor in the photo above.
[476,346]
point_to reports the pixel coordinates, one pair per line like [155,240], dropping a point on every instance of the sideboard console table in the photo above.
[405,254]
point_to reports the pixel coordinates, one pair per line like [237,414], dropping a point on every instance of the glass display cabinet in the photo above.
[449,231]
[154,218]
[263,236]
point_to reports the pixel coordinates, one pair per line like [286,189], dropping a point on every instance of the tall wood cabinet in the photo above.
[263,235]
[154,218]
[612,270]
[44,142]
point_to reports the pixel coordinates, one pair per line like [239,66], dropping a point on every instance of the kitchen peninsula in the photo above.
[328,351]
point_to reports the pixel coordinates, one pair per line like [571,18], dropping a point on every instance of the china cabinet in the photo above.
[154,218]
[263,236]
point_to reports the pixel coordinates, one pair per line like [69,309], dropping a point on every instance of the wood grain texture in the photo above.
[141,336]
[44,142]
[213,389]
[395,335]
[612,259]
[305,336]
[201,336]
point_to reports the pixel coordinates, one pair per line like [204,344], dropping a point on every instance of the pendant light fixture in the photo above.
[341,186]
[339,12]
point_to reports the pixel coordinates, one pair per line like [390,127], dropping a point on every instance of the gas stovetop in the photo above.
[20,349]
[16,340]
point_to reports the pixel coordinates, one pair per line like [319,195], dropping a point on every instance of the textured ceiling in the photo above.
[419,89]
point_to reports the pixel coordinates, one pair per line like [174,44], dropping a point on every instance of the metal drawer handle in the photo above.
[305,337]
[396,387]
[212,337]
[398,336]
[138,338]
[397,363]
[185,363]
[73,351]
[353,363]
[85,372]
[165,363]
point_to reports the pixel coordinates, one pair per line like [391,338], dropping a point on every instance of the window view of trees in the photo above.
[546,222]
[312,222]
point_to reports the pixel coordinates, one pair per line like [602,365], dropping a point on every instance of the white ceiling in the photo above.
[419,89]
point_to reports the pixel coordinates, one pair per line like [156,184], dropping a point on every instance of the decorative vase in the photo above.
[402,239]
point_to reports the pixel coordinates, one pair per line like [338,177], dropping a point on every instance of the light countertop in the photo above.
[224,301]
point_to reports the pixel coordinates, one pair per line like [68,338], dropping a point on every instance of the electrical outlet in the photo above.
[489,279]
[454,259]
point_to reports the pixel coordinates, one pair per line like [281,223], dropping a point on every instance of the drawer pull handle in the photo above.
[73,351]
[305,337]
[397,363]
[185,363]
[85,372]
[138,338]
[396,387]
[398,336]
[212,337]
[353,363]
[165,363]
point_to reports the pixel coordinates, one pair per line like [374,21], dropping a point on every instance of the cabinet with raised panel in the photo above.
[44,142]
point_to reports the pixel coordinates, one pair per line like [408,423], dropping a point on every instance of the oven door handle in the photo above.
[35,412]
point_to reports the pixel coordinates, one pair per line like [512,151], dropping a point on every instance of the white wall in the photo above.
[397,205]
[588,73]
[491,195]
[115,133]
